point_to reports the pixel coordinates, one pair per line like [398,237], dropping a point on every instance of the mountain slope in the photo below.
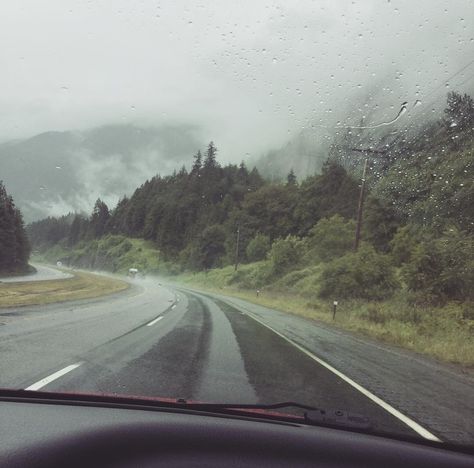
[57,172]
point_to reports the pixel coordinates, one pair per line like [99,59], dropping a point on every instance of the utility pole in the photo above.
[360,207]
[237,248]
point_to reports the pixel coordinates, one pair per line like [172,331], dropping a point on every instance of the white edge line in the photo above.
[154,321]
[43,382]
[405,419]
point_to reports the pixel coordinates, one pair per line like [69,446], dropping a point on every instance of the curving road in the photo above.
[42,273]
[156,340]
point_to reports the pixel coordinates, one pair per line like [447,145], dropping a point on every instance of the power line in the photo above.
[447,81]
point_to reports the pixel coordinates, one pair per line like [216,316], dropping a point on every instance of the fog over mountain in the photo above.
[57,172]
[270,82]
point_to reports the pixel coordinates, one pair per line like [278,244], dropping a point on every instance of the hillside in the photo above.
[59,172]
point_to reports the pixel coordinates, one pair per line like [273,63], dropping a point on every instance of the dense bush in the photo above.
[403,244]
[123,247]
[330,238]
[209,247]
[285,254]
[112,241]
[363,274]
[258,248]
[442,269]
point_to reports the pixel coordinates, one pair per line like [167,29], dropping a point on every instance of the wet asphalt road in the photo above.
[42,273]
[174,343]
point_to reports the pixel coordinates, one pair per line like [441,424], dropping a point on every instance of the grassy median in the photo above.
[81,286]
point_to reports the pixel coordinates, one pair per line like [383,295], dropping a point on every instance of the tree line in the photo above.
[14,244]
[193,216]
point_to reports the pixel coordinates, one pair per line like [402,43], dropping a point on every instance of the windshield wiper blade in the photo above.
[285,404]
[312,415]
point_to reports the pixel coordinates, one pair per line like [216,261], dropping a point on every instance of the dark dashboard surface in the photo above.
[40,434]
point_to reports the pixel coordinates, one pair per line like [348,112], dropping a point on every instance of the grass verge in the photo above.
[81,286]
[445,333]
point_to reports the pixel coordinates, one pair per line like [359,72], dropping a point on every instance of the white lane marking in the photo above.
[405,419]
[154,321]
[173,306]
[43,382]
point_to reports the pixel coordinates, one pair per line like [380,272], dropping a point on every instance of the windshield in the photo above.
[242,202]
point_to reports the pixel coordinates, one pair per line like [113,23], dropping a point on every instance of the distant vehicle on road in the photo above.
[132,272]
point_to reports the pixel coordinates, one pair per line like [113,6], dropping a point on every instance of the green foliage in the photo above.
[208,248]
[14,245]
[304,283]
[99,218]
[253,276]
[432,189]
[258,248]
[442,269]
[270,210]
[320,196]
[50,231]
[285,254]
[291,179]
[364,274]
[403,244]
[381,221]
[459,111]
[111,253]
[330,238]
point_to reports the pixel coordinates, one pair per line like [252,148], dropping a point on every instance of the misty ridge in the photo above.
[59,172]
[56,173]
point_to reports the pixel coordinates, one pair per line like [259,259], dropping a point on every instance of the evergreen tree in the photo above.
[14,245]
[210,162]
[197,164]
[459,111]
[99,219]
[22,244]
[75,230]
[291,179]
[243,173]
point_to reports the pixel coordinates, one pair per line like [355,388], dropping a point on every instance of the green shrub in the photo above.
[403,244]
[285,254]
[208,249]
[442,269]
[122,248]
[111,241]
[363,274]
[258,248]
[330,238]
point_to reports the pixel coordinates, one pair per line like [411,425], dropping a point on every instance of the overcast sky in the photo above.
[249,73]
